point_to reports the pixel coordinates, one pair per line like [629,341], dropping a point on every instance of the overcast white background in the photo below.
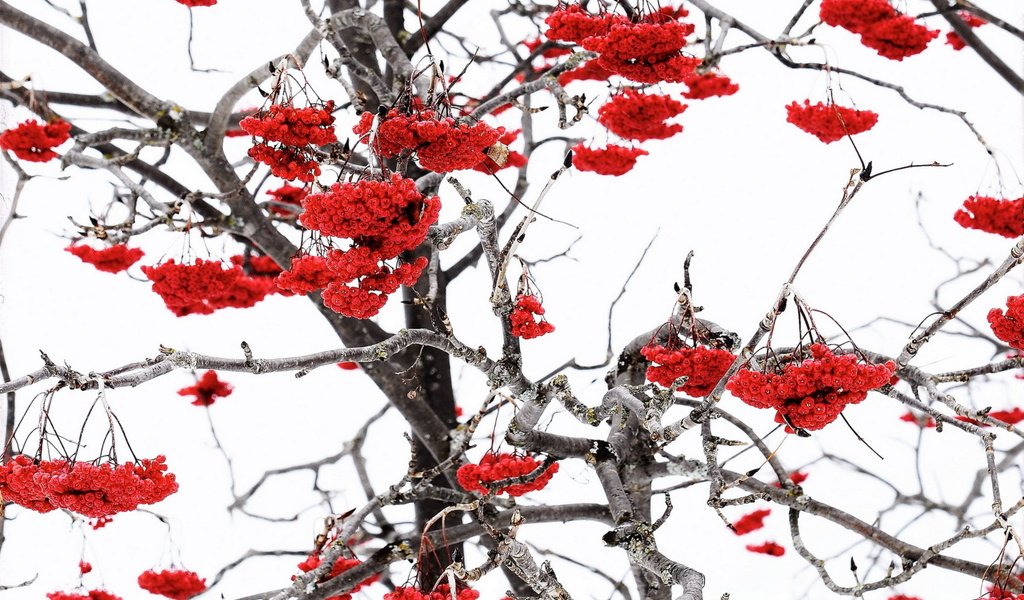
[741,187]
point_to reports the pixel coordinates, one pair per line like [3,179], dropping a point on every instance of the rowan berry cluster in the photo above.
[1000,216]
[574,24]
[769,548]
[610,160]
[383,219]
[112,259]
[522,321]
[708,85]
[970,20]
[85,488]
[174,584]
[288,195]
[207,389]
[881,27]
[296,133]
[34,142]
[307,274]
[811,394]
[341,565]
[191,3]
[645,51]
[1009,326]
[551,52]
[440,144]
[440,592]
[206,286]
[89,595]
[1011,417]
[588,71]
[829,122]
[494,468]
[703,366]
[921,421]
[633,115]
[751,521]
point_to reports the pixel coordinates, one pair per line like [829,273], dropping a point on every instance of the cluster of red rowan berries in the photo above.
[1000,216]
[440,592]
[523,318]
[341,565]
[494,468]
[383,219]
[881,27]
[34,142]
[633,115]
[85,488]
[810,394]
[112,259]
[1009,325]
[290,136]
[830,122]
[206,286]
[610,160]
[207,389]
[702,365]
[175,584]
[87,595]
[440,144]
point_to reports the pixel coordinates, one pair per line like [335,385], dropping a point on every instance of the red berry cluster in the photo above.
[174,584]
[191,3]
[646,51]
[796,478]
[955,40]
[769,548]
[610,160]
[1009,326]
[881,27]
[112,259]
[340,566]
[751,522]
[440,592]
[553,52]
[910,417]
[708,85]
[574,24]
[1000,216]
[811,394]
[207,389]
[522,318]
[514,159]
[34,142]
[307,274]
[440,144]
[288,195]
[589,71]
[498,467]
[84,488]
[830,122]
[89,595]
[1012,417]
[383,219]
[703,365]
[996,592]
[634,115]
[206,286]
[296,132]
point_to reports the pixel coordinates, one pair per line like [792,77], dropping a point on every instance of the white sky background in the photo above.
[741,187]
